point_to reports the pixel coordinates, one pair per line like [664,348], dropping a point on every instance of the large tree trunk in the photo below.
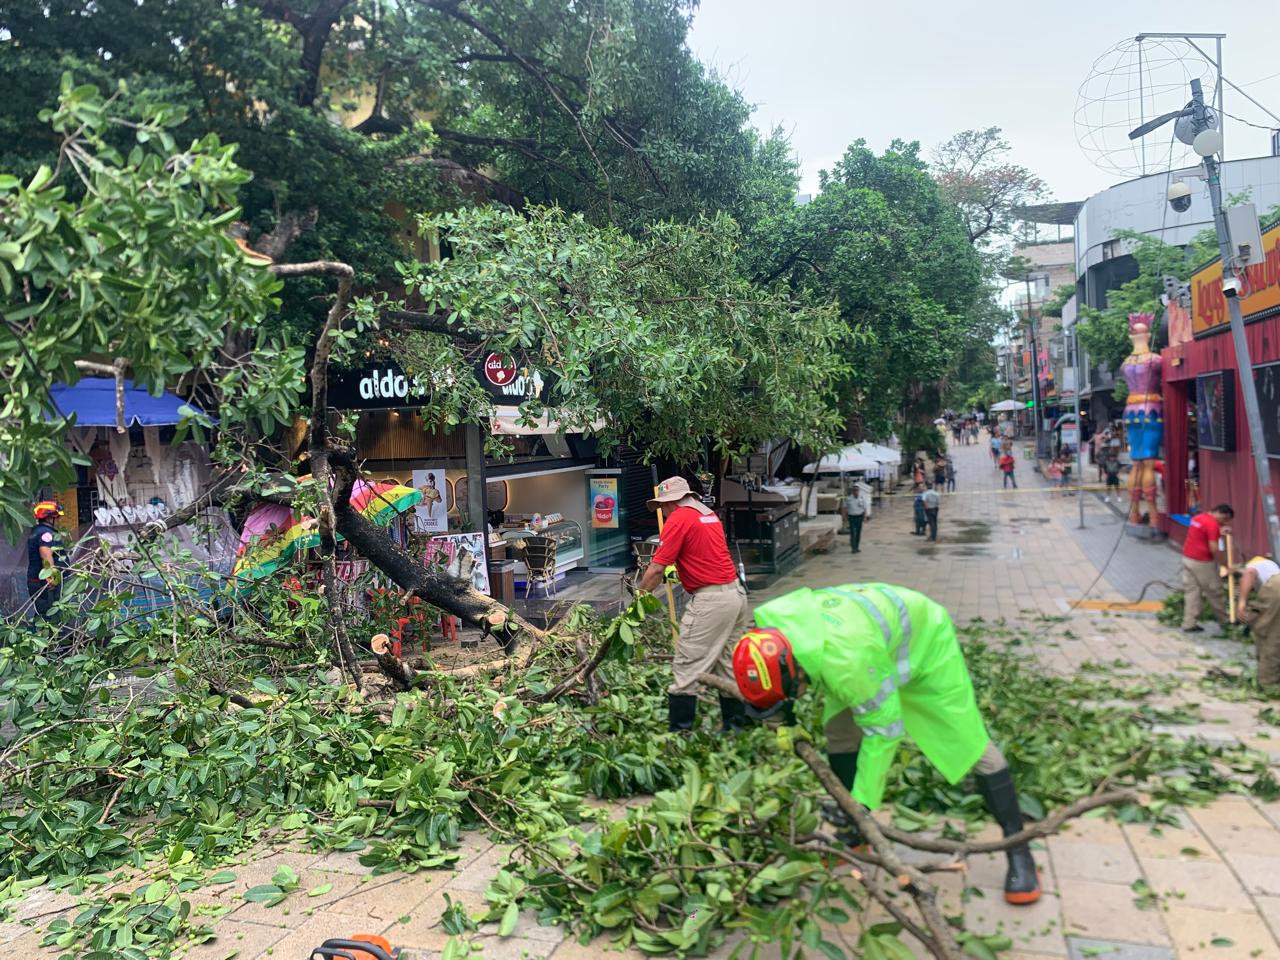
[436,588]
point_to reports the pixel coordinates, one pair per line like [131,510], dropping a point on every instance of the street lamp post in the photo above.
[1201,133]
[1244,363]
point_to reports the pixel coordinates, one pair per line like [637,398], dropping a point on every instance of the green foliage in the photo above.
[882,241]
[180,781]
[640,333]
[124,253]
[148,922]
[1058,299]
[599,108]
[974,174]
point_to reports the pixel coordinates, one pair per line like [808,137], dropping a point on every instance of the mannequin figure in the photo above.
[1143,418]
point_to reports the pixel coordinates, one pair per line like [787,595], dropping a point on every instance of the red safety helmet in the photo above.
[765,668]
[47,509]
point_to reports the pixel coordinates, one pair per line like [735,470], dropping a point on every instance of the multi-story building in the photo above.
[1103,261]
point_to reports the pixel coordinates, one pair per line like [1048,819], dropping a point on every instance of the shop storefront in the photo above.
[1208,458]
[131,477]
[550,493]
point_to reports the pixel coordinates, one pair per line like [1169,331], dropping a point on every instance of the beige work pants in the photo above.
[1265,625]
[1201,583]
[712,623]
[845,736]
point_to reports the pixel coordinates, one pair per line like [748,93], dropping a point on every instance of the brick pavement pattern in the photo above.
[1016,556]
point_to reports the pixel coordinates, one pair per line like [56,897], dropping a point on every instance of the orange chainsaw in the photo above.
[362,946]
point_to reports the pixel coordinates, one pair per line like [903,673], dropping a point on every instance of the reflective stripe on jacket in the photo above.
[889,655]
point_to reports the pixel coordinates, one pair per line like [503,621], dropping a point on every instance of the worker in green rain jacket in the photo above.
[888,664]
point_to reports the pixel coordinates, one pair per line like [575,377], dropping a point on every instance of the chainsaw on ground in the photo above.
[361,946]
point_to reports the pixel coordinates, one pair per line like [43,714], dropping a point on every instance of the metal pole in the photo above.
[1222,117]
[1035,371]
[1142,108]
[1075,351]
[1248,388]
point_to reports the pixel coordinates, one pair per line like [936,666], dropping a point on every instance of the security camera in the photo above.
[1231,287]
[1179,196]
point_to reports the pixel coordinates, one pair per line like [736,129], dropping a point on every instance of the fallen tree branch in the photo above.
[581,673]
[116,370]
[1046,827]
[925,894]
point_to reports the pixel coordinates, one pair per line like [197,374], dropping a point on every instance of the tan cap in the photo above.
[676,490]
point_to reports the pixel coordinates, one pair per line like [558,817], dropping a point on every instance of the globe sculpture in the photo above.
[1134,81]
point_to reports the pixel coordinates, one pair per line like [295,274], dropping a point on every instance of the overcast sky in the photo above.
[830,72]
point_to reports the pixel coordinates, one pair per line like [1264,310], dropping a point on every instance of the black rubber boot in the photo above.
[1021,882]
[733,714]
[682,710]
[845,766]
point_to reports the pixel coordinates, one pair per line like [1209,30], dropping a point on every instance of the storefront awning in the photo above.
[93,402]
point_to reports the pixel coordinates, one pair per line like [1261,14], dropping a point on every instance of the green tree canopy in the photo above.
[658,339]
[882,240]
[599,108]
[133,265]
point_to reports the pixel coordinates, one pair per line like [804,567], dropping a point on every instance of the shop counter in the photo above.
[569,547]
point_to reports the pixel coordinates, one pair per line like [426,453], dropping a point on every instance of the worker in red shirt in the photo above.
[693,539]
[1202,554]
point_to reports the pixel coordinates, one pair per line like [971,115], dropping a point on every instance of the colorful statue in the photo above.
[1143,417]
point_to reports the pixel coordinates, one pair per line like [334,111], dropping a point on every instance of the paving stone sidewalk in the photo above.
[1011,556]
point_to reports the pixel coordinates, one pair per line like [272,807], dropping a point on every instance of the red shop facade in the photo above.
[1208,455]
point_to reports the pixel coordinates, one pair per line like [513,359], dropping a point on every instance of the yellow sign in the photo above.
[1209,306]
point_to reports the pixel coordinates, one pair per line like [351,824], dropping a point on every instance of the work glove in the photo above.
[788,734]
[669,574]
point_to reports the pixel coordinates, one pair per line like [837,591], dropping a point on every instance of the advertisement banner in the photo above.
[461,555]
[1261,291]
[432,514]
[603,492]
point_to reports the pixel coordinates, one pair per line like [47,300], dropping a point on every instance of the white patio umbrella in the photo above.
[1005,406]
[878,452]
[848,460]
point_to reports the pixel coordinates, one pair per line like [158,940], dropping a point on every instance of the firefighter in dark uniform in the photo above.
[44,552]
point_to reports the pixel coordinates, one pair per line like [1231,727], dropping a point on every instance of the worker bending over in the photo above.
[1263,617]
[888,663]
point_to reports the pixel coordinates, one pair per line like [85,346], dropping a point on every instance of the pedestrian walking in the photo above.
[855,512]
[995,450]
[951,476]
[918,511]
[1066,473]
[46,559]
[693,540]
[940,473]
[1263,617]
[932,502]
[1006,467]
[1053,473]
[887,664]
[1112,470]
[1202,553]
